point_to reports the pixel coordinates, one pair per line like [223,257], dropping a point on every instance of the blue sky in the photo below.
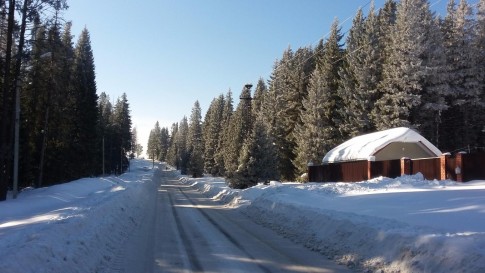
[166,54]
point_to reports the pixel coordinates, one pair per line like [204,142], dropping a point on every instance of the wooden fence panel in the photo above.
[353,171]
[429,167]
[473,166]
[388,168]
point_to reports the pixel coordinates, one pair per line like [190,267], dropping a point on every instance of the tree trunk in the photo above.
[6,122]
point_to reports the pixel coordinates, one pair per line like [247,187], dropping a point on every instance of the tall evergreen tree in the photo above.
[462,117]
[318,132]
[288,88]
[183,155]
[360,75]
[426,117]
[403,71]
[106,133]
[213,134]
[85,111]
[172,153]
[258,100]
[256,161]
[224,139]
[164,143]
[240,127]
[195,142]
[480,49]
[154,145]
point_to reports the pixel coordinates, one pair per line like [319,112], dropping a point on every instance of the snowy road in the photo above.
[194,233]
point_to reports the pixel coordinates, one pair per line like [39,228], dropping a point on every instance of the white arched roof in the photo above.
[365,146]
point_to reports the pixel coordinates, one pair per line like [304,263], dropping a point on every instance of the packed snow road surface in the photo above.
[198,234]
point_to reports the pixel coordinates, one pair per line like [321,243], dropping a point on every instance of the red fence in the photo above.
[461,167]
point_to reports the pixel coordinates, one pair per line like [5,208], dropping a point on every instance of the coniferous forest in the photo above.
[66,131]
[400,65]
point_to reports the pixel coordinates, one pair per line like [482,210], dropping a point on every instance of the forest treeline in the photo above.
[65,130]
[400,65]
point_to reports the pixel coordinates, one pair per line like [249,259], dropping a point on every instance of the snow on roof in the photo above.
[364,146]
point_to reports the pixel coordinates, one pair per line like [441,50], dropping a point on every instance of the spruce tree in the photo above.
[462,117]
[154,145]
[182,147]
[288,87]
[403,71]
[257,158]
[258,100]
[106,133]
[213,134]
[195,143]
[224,139]
[480,50]
[240,127]
[172,153]
[360,75]
[122,125]
[426,117]
[318,132]
[85,111]
[164,144]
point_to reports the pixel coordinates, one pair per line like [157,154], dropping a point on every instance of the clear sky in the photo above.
[166,54]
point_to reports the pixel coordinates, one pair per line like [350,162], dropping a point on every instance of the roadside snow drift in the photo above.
[405,224]
[74,227]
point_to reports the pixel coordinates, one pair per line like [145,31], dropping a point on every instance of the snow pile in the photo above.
[406,224]
[74,227]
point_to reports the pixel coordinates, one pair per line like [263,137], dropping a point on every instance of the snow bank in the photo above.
[74,227]
[406,224]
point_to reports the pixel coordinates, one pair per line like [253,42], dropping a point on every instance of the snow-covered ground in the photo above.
[405,224]
[395,225]
[79,226]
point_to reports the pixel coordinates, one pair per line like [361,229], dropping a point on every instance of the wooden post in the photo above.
[443,159]
[459,166]
[370,162]
[405,166]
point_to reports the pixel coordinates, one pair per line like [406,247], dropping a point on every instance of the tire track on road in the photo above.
[194,262]
[226,234]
